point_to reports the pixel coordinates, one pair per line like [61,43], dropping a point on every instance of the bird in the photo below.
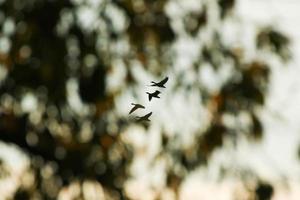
[135,107]
[161,83]
[153,95]
[144,118]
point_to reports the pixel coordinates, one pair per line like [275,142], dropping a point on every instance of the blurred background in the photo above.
[225,128]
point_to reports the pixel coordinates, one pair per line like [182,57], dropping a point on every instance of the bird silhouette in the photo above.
[135,107]
[144,118]
[161,83]
[153,95]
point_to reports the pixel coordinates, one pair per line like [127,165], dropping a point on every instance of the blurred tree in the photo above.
[55,42]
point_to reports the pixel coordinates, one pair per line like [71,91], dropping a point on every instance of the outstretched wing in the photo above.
[156,92]
[136,106]
[133,109]
[164,81]
[148,115]
[144,118]
[149,96]
[140,106]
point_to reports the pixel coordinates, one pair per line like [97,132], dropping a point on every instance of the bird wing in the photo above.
[140,106]
[149,97]
[156,92]
[143,118]
[148,115]
[164,81]
[133,109]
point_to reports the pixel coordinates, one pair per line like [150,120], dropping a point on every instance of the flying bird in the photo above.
[144,118]
[161,83]
[153,95]
[135,107]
